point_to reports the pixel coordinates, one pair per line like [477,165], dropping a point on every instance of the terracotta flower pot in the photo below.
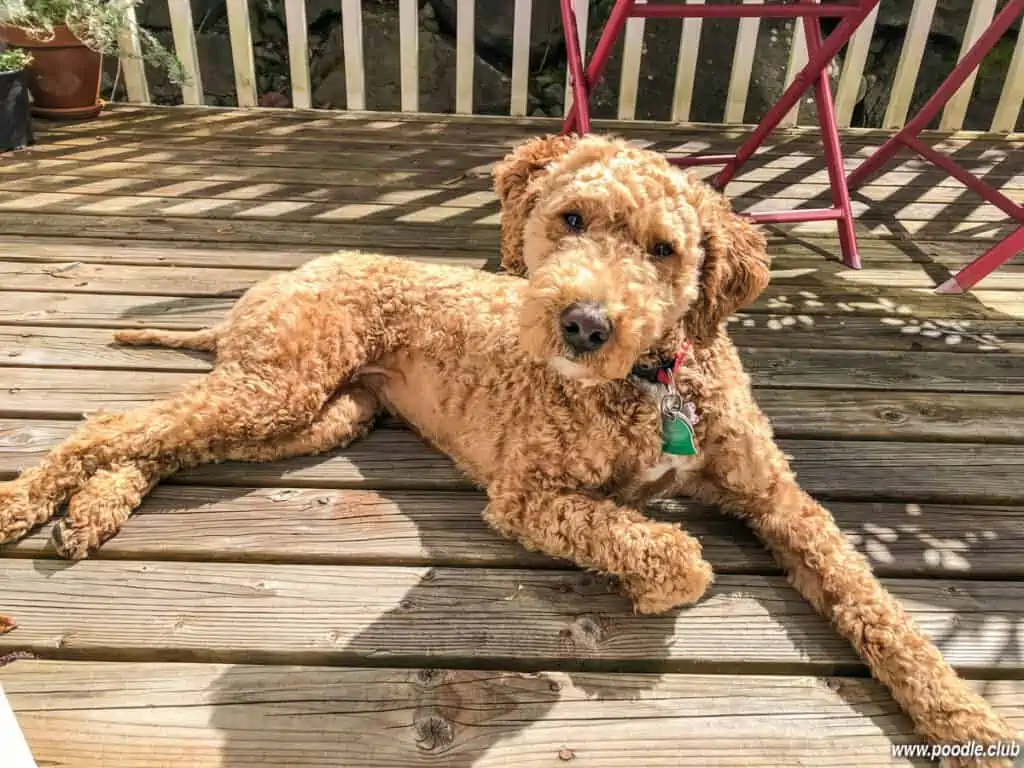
[15,122]
[64,76]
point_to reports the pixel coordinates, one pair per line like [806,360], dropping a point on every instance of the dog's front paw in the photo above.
[19,511]
[675,573]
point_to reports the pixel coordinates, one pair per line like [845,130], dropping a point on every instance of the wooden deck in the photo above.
[353,610]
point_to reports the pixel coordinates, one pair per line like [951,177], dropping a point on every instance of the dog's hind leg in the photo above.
[748,475]
[110,496]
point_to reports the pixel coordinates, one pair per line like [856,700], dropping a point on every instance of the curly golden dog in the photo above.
[602,380]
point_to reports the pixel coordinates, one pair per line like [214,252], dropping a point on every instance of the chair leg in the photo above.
[579,114]
[833,151]
[985,264]
[583,81]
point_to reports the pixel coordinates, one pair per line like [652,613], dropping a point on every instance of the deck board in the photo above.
[353,527]
[395,459]
[187,640]
[306,717]
[507,618]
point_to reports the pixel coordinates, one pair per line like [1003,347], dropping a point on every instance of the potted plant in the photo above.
[15,121]
[67,39]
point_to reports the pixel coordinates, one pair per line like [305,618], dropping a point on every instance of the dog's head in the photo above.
[622,250]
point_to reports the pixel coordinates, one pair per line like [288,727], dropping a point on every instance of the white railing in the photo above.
[846,95]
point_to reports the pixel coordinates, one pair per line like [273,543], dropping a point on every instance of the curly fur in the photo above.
[567,446]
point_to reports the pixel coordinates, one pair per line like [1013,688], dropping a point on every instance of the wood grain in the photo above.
[75,186]
[95,715]
[475,208]
[781,330]
[841,412]
[806,272]
[393,459]
[48,347]
[781,297]
[890,256]
[345,527]
[508,619]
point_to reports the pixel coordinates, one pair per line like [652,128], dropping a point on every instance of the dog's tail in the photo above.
[204,340]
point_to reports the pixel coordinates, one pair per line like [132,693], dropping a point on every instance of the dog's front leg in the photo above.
[747,474]
[659,564]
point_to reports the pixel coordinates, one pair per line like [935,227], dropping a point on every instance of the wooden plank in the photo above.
[241,52]
[883,332]
[629,76]
[798,299]
[132,63]
[412,127]
[982,13]
[911,54]
[102,714]
[742,67]
[520,57]
[419,173]
[475,209]
[465,55]
[515,619]
[183,30]
[216,198]
[848,91]
[686,66]
[446,528]
[806,275]
[355,59]
[298,53]
[902,264]
[409,53]
[393,459]
[796,410]
[769,367]
[417,130]
[1008,110]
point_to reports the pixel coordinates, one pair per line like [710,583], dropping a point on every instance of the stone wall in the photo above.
[493,33]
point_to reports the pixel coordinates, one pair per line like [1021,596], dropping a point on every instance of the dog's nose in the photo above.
[585,327]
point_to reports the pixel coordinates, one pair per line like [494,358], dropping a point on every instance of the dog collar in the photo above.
[664,370]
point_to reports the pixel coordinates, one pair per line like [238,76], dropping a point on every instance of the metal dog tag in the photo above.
[677,420]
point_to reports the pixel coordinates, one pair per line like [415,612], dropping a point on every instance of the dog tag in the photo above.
[677,420]
[677,436]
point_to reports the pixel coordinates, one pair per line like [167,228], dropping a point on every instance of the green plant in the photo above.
[100,25]
[14,59]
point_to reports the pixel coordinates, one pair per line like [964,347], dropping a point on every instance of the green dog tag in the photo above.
[677,437]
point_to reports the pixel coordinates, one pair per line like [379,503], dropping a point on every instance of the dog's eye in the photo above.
[573,221]
[662,250]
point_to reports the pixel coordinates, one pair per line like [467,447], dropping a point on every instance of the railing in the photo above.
[846,94]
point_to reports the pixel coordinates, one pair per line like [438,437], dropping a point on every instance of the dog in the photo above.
[595,377]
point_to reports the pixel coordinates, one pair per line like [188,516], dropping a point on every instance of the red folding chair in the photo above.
[907,137]
[819,54]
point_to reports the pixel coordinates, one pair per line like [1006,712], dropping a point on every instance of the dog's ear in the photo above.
[512,177]
[735,270]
